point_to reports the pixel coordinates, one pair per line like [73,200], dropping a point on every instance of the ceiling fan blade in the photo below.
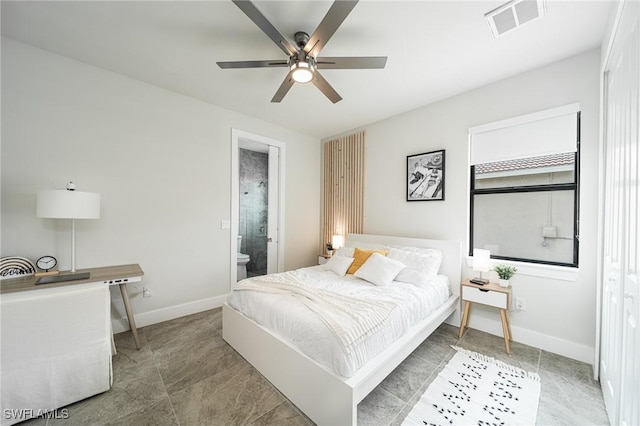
[263,23]
[337,13]
[325,88]
[363,62]
[284,88]
[253,64]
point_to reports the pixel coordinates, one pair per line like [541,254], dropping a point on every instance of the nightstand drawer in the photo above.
[491,298]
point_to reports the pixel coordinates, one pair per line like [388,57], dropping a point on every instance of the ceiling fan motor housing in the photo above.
[301,38]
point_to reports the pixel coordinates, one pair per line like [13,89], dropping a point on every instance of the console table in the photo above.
[119,275]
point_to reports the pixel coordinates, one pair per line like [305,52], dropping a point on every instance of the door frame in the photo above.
[242,139]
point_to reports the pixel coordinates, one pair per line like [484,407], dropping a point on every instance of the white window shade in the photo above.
[547,132]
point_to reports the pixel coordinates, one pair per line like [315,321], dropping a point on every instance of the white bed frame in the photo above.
[326,398]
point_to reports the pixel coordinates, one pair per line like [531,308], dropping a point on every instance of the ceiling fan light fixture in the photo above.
[301,72]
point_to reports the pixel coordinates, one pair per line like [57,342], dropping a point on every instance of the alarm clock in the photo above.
[46,265]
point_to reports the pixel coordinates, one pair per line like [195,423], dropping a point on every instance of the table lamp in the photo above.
[69,204]
[481,259]
[337,241]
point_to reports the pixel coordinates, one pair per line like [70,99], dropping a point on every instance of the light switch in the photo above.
[225,224]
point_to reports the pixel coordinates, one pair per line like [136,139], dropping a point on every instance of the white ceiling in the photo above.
[436,49]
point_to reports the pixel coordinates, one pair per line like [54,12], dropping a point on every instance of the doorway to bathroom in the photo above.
[257,193]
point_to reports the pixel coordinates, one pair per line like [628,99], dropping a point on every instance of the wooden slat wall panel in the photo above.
[343,198]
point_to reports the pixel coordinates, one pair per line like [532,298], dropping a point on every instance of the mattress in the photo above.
[293,321]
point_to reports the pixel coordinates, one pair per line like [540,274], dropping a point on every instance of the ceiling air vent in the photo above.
[513,14]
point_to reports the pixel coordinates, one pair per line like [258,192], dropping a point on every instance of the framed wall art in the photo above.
[425,176]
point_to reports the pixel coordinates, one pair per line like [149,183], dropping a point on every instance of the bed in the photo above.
[326,396]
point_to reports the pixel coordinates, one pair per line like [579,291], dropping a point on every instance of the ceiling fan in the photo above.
[303,60]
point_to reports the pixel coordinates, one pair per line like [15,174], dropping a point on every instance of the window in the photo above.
[524,197]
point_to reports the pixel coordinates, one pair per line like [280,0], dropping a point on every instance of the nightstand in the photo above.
[491,295]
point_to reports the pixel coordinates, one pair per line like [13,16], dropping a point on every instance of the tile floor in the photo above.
[185,374]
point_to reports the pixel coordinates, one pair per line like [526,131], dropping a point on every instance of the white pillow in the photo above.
[344,252]
[426,260]
[338,264]
[414,276]
[379,269]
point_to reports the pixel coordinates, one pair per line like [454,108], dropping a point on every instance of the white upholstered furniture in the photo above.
[56,348]
[327,398]
[56,340]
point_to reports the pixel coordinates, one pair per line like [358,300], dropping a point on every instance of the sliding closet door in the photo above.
[629,413]
[620,342]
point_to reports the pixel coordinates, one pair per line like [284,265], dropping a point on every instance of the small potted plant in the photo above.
[505,272]
[329,248]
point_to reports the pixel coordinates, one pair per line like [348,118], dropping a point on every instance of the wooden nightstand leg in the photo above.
[465,318]
[506,315]
[505,329]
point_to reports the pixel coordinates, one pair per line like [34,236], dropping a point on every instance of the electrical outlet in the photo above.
[549,231]
[146,292]
[521,304]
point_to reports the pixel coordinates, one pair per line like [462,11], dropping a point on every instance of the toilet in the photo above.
[243,259]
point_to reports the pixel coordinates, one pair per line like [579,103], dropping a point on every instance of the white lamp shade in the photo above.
[64,204]
[481,259]
[337,241]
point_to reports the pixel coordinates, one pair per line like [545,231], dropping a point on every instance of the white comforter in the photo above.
[294,321]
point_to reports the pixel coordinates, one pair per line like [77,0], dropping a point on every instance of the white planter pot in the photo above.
[503,283]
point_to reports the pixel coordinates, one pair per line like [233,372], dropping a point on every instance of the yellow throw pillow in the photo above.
[360,256]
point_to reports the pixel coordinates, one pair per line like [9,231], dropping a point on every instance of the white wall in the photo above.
[161,162]
[560,315]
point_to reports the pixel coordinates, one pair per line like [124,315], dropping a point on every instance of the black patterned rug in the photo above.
[474,389]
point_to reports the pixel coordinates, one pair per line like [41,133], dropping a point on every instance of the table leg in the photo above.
[132,321]
[465,318]
[505,329]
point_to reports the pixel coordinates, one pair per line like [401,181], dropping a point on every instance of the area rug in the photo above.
[474,389]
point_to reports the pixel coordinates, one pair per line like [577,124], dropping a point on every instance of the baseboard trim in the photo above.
[545,342]
[165,314]
[548,343]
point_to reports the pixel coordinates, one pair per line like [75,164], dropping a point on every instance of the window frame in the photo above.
[572,186]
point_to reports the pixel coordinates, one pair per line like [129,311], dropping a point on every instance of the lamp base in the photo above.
[479,281]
